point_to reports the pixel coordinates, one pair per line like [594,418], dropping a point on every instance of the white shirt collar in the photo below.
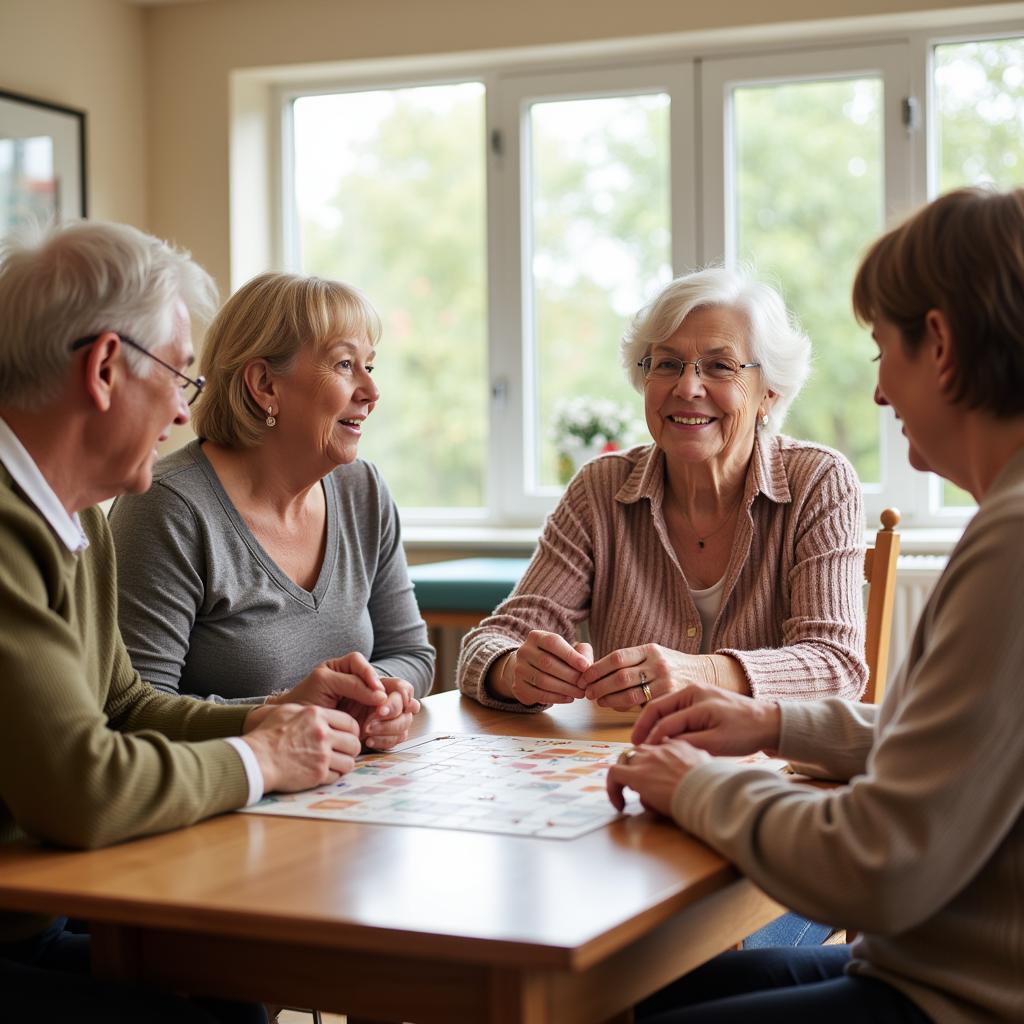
[27,476]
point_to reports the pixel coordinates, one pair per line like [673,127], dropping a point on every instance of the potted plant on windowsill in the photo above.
[586,427]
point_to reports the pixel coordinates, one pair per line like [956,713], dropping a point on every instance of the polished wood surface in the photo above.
[406,923]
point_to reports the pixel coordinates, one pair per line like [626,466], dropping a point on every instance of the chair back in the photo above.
[880,573]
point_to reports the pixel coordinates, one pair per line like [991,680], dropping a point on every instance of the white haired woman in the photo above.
[266,548]
[723,553]
[921,848]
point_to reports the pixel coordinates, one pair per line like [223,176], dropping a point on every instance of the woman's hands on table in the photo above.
[682,730]
[382,706]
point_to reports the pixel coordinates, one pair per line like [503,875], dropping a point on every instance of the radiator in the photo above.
[915,577]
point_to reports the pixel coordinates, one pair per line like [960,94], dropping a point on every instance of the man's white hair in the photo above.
[64,282]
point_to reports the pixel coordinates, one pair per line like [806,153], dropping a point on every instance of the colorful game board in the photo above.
[509,784]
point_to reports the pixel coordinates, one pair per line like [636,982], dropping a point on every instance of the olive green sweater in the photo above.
[89,753]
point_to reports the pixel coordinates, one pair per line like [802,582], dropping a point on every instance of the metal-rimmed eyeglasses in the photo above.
[665,368]
[191,388]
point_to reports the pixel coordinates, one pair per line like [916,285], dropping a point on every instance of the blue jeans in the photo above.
[778,986]
[789,930]
[47,977]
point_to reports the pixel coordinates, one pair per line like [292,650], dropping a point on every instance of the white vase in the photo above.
[572,456]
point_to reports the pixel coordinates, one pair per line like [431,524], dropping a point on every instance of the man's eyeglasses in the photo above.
[192,389]
[665,368]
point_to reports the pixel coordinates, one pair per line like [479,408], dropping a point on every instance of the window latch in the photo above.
[909,110]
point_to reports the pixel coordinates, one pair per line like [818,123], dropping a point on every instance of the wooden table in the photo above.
[412,924]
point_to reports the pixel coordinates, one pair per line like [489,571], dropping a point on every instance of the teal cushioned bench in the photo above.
[454,596]
[465,588]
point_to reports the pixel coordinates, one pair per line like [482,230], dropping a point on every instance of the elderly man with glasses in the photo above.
[95,342]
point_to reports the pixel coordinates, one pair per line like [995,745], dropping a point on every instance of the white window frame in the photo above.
[288,237]
[720,77]
[514,490]
[928,493]
[692,70]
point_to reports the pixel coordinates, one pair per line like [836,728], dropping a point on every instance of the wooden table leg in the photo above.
[517,997]
[115,951]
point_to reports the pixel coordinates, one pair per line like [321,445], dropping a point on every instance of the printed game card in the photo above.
[553,788]
[508,784]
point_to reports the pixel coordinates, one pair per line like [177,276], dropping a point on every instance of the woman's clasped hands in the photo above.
[383,707]
[547,669]
[682,730]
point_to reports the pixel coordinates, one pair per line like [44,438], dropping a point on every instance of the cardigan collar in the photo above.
[766,474]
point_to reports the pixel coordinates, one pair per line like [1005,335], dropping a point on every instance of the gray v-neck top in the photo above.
[205,611]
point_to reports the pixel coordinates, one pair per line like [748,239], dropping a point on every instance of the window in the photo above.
[811,154]
[978,135]
[508,223]
[389,196]
[600,245]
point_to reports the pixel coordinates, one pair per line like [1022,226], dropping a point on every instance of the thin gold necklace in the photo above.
[701,539]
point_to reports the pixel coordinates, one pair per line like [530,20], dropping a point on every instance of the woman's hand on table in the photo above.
[544,670]
[333,682]
[382,707]
[632,676]
[683,729]
[712,719]
[384,726]
[653,772]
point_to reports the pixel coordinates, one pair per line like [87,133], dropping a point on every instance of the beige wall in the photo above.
[154,80]
[87,54]
[192,48]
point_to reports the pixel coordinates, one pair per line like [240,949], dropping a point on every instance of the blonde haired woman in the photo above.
[266,550]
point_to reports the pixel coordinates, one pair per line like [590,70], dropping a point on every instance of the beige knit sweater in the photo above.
[792,611]
[923,850]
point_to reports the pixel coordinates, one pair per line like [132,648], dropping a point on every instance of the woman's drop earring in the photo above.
[270,416]
[764,422]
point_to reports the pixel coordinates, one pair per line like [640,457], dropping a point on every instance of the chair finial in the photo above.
[890,518]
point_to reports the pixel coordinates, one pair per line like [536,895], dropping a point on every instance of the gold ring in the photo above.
[646,690]
[626,757]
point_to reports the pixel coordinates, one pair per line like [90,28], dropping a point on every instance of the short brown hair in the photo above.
[271,317]
[962,254]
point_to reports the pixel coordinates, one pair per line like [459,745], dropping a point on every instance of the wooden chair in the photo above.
[880,573]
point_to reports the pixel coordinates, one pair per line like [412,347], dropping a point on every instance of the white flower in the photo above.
[585,421]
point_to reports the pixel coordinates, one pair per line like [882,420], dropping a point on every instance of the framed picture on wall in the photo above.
[42,161]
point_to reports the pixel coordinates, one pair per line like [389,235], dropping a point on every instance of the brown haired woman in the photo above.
[922,849]
[266,551]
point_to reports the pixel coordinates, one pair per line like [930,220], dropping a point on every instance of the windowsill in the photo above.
[520,541]
[511,541]
[928,540]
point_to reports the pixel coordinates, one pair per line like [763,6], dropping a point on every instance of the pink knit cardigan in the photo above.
[792,609]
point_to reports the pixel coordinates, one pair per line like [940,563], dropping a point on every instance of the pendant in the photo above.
[700,543]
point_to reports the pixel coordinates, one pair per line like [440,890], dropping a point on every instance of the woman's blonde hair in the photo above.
[271,317]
